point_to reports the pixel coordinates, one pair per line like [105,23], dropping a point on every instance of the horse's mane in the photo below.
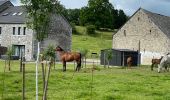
[60,48]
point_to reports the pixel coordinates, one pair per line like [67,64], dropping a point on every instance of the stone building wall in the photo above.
[153,42]
[8,39]
[60,33]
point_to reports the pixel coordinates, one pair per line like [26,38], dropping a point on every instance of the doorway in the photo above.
[19,50]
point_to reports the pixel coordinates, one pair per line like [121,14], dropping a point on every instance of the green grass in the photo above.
[93,43]
[108,84]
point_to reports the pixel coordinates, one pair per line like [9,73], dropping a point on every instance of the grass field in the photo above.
[93,43]
[138,83]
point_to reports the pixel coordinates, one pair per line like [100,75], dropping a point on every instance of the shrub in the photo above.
[73,28]
[90,29]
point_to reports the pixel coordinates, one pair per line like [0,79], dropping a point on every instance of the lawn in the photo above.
[93,43]
[138,83]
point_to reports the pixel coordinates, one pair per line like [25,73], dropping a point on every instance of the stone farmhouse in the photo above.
[147,32]
[13,31]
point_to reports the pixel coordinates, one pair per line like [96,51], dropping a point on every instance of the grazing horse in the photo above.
[155,62]
[129,61]
[164,63]
[68,57]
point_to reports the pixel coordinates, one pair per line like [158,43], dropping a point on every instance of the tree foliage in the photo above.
[73,16]
[90,29]
[38,15]
[102,14]
[121,18]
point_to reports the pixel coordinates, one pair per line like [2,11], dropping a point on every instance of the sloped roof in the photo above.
[13,15]
[2,2]
[163,22]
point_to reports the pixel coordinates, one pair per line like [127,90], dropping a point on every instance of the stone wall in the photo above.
[141,28]
[60,33]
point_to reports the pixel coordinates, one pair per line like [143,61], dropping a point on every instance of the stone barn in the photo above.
[13,31]
[146,32]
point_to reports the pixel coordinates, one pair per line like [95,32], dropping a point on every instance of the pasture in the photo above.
[93,43]
[138,83]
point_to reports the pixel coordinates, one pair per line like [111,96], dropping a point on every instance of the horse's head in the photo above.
[161,57]
[58,48]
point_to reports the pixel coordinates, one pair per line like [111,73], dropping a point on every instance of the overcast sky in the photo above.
[129,6]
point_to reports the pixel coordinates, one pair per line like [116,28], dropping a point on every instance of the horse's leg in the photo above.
[130,65]
[78,65]
[159,68]
[76,68]
[64,66]
[166,68]
[152,66]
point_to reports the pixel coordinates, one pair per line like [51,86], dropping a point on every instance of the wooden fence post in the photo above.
[21,64]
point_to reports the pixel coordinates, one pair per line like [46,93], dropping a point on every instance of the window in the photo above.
[20,13]
[19,30]
[14,14]
[138,18]
[13,30]
[150,31]
[0,30]
[5,14]
[124,32]
[24,31]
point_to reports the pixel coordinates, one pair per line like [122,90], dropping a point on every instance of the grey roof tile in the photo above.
[13,19]
[2,1]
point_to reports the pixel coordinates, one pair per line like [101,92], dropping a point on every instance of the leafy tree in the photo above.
[109,55]
[98,13]
[84,16]
[90,29]
[50,55]
[84,53]
[9,54]
[102,14]
[73,15]
[38,19]
[121,18]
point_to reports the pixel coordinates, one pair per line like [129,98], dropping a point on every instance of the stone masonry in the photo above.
[8,39]
[140,29]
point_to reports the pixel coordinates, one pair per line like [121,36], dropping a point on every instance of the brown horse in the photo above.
[129,61]
[155,62]
[68,57]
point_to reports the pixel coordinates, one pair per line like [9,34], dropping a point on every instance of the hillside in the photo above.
[95,43]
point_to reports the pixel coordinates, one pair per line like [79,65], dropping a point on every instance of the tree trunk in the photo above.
[85,62]
[37,62]
[104,60]
[46,83]
[43,75]
[9,64]
[21,64]
[54,63]
[108,63]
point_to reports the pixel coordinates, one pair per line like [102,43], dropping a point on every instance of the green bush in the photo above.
[90,29]
[73,28]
